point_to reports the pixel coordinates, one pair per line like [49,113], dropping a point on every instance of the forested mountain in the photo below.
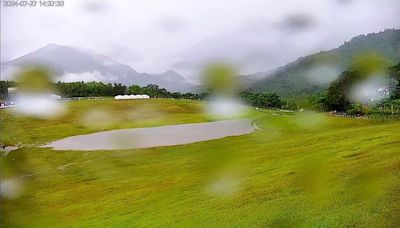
[314,72]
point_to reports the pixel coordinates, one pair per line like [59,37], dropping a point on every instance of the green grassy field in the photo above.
[87,116]
[300,170]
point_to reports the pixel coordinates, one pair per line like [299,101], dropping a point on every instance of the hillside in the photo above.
[79,64]
[314,72]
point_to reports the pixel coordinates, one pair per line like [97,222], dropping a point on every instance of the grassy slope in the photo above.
[305,169]
[85,117]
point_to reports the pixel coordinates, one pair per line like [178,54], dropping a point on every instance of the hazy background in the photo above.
[154,35]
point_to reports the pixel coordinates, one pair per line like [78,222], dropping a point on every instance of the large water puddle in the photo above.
[154,136]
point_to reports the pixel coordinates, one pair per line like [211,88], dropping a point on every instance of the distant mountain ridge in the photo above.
[314,72]
[79,64]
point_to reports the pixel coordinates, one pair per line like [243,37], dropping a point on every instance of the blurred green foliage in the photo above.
[336,97]
[34,79]
[219,79]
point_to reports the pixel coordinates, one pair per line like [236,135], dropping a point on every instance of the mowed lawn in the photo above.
[304,169]
[88,116]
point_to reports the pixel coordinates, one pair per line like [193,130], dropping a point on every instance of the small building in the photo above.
[12,92]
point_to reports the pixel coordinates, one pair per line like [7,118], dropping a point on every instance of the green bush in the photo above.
[355,109]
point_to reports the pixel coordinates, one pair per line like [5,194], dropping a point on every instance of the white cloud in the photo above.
[322,74]
[154,33]
[78,77]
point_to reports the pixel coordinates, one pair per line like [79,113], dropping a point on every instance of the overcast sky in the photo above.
[156,35]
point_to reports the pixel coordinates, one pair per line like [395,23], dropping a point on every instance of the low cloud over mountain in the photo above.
[79,64]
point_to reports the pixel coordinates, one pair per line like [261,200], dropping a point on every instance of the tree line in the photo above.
[95,89]
[336,97]
[267,100]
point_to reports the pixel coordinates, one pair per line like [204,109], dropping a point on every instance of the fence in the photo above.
[81,98]
[370,116]
[350,116]
[383,117]
[387,109]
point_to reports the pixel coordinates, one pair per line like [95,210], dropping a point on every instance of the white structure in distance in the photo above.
[131,97]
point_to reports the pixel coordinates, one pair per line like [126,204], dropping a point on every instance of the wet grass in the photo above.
[303,170]
[87,116]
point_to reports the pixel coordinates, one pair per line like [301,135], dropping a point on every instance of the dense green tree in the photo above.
[4,88]
[320,100]
[119,89]
[336,97]
[265,100]
[338,92]
[354,109]
[394,72]
[134,89]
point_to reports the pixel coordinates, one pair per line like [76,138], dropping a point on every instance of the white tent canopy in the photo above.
[131,97]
